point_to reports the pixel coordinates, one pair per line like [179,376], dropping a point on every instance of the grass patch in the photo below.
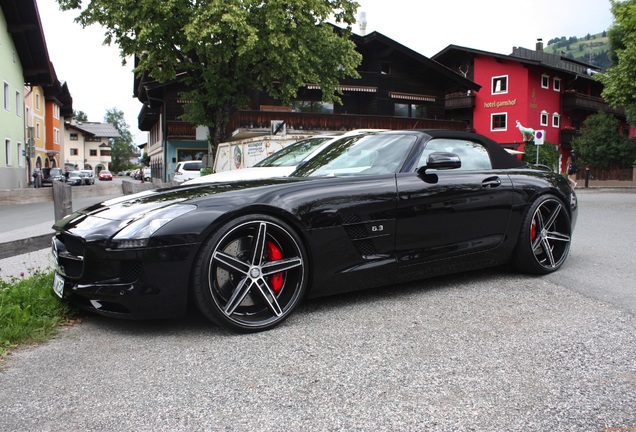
[29,310]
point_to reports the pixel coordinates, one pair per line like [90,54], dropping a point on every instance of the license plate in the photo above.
[58,285]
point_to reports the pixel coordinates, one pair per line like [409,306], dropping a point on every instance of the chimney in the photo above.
[363,23]
[540,45]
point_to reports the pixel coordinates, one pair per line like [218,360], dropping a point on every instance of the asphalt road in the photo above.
[483,351]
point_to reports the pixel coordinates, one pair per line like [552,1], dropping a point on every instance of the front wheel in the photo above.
[251,274]
[544,238]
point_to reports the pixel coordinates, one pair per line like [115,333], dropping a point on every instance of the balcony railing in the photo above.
[579,101]
[335,122]
[308,122]
[460,101]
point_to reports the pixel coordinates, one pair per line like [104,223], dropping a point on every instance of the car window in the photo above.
[293,154]
[473,155]
[359,155]
[192,166]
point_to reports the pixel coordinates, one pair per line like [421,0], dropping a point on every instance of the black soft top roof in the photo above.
[499,157]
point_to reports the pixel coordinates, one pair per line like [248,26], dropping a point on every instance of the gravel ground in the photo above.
[483,351]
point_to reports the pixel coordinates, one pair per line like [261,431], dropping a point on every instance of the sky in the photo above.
[98,81]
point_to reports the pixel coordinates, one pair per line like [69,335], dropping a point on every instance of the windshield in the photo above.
[293,154]
[359,155]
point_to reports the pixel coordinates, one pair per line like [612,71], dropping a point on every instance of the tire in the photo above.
[251,274]
[544,238]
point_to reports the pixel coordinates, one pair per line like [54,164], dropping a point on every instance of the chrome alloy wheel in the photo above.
[550,234]
[256,274]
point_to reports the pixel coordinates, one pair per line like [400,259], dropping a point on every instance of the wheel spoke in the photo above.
[231,261]
[547,249]
[553,235]
[238,296]
[553,217]
[269,297]
[258,246]
[273,267]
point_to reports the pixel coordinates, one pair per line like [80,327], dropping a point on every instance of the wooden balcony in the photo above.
[299,122]
[454,101]
[579,101]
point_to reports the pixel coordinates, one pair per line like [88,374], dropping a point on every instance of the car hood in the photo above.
[252,173]
[108,217]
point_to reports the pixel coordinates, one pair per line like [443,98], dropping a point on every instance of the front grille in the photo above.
[74,245]
[72,268]
[130,271]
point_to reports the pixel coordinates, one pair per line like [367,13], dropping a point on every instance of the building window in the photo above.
[37,101]
[409,110]
[385,68]
[93,152]
[74,152]
[544,118]
[556,84]
[18,104]
[7,151]
[312,107]
[73,137]
[104,152]
[500,84]
[498,122]
[56,111]
[556,120]
[37,130]
[545,81]
[20,157]
[6,96]
[56,135]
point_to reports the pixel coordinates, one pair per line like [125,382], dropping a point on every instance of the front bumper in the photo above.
[133,283]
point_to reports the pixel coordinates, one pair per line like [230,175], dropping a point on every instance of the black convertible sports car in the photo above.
[373,210]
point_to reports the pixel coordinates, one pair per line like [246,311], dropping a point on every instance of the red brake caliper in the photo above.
[533,231]
[275,255]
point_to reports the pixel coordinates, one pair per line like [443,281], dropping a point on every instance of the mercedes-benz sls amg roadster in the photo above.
[372,210]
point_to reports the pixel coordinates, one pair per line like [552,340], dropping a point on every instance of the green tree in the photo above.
[600,144]
[80,116]
[619,82]
[548,154]
[224,49]
[122,147]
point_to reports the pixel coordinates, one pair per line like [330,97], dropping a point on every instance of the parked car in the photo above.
[145,173]
[49,175]
[187,170]
[88,177]
[75,178]
[279,164]
[105,175]
[374,210]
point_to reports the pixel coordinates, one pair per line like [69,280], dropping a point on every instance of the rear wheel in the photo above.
[251,274]
[545,236]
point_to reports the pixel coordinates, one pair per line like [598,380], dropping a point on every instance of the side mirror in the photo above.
[440,160]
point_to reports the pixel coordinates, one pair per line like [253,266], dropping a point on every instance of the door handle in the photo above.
[491,182]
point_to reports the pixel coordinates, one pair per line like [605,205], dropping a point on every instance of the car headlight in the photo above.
[138,232]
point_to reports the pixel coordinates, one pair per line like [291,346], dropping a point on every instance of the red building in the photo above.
[526,89]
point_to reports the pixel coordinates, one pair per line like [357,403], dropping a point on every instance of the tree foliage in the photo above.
[601,146]
[121,148]
[620,80]
[548,154]
[224,49]
[80,116]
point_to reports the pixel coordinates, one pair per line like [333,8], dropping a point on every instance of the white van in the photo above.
[187,170]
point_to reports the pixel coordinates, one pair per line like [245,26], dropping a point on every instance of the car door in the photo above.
[452,212]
